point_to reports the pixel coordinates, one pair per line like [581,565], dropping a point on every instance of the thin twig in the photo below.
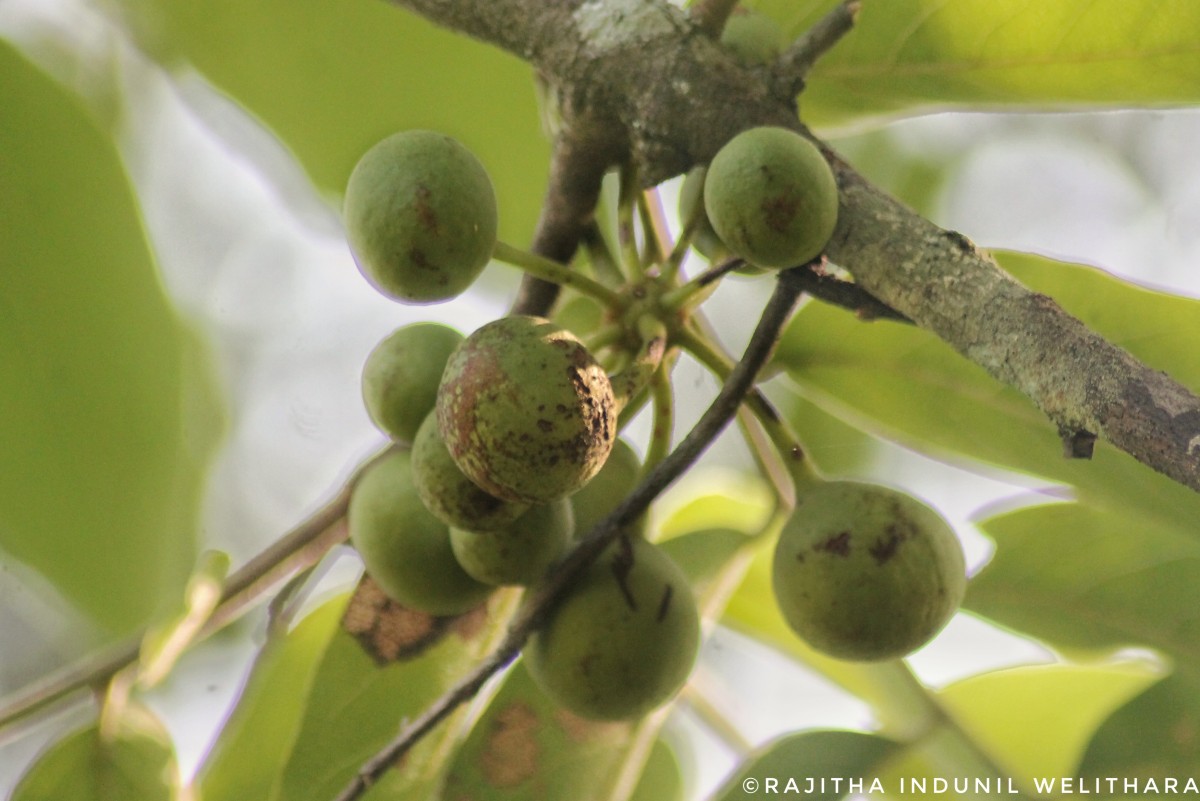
[794,65]
[849,295]
[538,606]
[299,549]
[576,173]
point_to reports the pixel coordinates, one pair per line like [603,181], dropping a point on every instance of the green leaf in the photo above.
[331,78]
[908,56]
[827,759]
[661,779]
[1093,579]
[356,705]
[107,414]
[525,746]
[904,384]
[134,762]
[1036,721]
[254,744]
[1153,735]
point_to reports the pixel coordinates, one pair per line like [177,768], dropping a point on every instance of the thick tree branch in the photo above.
[645,68]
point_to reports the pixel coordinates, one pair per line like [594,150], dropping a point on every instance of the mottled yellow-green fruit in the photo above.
[525,410]
[401,375]
[420,215]
[753,37]
[615,480]
[446,492]
[404,548]
[624,639]
[521,552]
[863,572]
[771,197]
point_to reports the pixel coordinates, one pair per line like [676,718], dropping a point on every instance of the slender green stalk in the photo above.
[604,263]
[791,451]
[555,273]
[626,234]
[635,377]
[663,429]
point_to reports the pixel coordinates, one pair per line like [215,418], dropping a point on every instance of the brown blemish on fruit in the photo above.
[510,753]
[664,605]
[885,548]
[838,544]
[779,211]
[426,216]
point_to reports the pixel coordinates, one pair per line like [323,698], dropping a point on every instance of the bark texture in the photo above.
[644,74]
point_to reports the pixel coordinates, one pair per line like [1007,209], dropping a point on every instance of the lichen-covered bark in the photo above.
[641,70]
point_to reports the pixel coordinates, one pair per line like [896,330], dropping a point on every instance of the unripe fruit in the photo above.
[525,410]
[404,548]
[753,37]
[446,492]
[624,639]
[704,238]
[401,375]
[864,572]
[615,480]
[771,197]
[420,216]
[521,552]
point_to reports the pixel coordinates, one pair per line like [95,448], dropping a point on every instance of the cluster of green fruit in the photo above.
[508,447]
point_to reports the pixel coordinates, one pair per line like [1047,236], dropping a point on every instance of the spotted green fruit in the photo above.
[404,548]
[771,197]
[401,375]
[753,37]
[624,639]
[525,411]
[519,553]
[863,572]
[420,215]
[615,480]
[446,492]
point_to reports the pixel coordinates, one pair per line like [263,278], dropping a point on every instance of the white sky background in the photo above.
[266,275]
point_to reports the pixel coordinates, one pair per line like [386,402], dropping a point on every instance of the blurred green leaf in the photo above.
[908,56]
[134,762]
[661,779]
[356,705]
[1094,579]
[252,748]
[525,746]
[906,385]
[331,78]
[829,759]
[107,417]
[1035,721]
[1153,736]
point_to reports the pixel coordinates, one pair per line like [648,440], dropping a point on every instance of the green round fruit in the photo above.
[753,37]
[525,410]
[404,548]
[863,572]
[615,480]
[623,640]
[446,492]
[401,375]
[420,216]
[771,197]
[521,552]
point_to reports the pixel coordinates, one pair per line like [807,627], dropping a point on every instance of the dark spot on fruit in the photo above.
[418,257]
[779,211]
[622,564]
[838,544]
[885,548]
[545,425]
[426,216]
[664,605]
